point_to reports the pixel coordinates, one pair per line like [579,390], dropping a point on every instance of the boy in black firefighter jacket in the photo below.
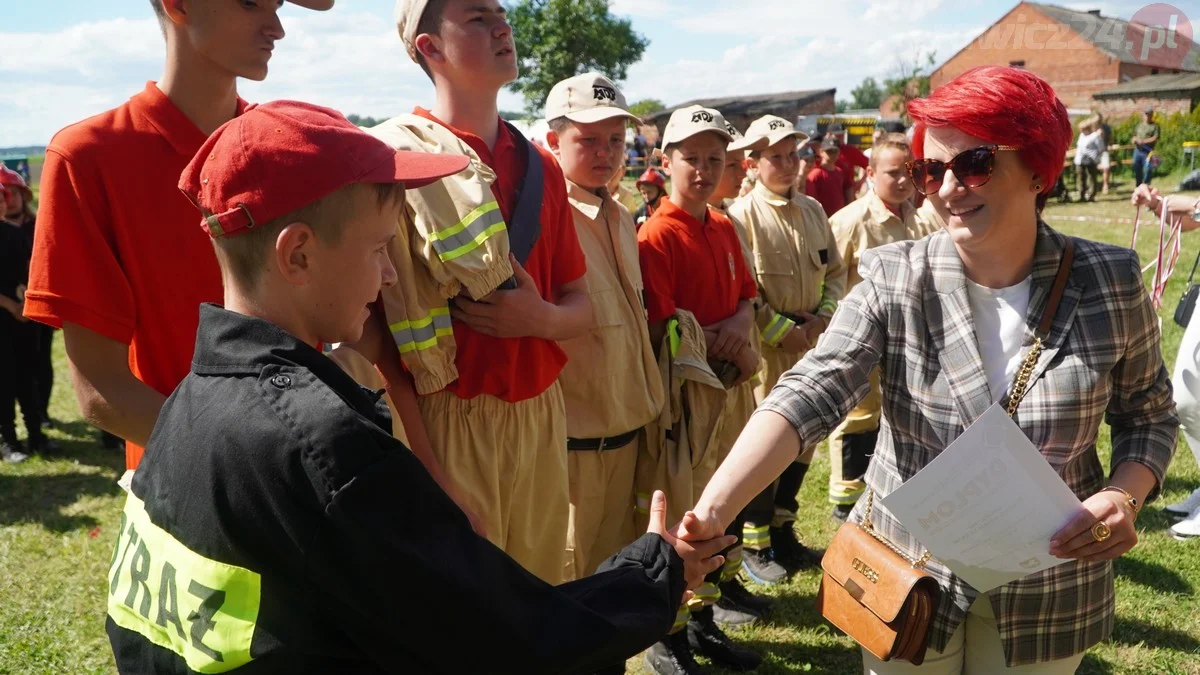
[275,525]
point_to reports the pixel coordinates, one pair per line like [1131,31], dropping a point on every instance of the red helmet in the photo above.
[12,180]
[654,178]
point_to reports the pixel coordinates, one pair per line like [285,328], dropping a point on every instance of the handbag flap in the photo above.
[871,573]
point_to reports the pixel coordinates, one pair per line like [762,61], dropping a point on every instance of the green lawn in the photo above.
[58,519]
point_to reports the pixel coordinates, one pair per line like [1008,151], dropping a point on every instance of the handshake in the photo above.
[698,543]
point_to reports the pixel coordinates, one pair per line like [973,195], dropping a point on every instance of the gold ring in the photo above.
[1101,532]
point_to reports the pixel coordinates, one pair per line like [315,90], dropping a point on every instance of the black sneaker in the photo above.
[673,656]
[44,446]
[842,511]
[762,567]
[709,640]
[12,453]
[741,596]
[730,614]
[789,552]
[49,422]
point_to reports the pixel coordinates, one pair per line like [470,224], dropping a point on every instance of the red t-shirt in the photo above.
[516,369]
[119,249]
[827,186]
[691,265]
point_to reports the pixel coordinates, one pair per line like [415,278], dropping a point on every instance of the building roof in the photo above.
[755,104]
[1150,85]
[1111,36]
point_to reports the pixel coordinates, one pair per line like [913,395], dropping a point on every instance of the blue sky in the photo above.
[67,59]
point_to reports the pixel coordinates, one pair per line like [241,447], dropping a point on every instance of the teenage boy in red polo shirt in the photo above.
[118,263]
[499,431]
[691,259]
[827,182]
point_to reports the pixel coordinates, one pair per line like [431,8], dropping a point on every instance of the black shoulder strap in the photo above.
[524,225]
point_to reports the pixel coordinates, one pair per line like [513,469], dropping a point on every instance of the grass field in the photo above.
[58,518]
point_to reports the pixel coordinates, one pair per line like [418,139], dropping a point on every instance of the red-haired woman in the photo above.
[948,319]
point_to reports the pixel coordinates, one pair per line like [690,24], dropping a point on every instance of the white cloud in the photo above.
[794,49]
[644,8]
[351,61]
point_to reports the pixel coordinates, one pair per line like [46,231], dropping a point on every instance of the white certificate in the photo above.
[988,505]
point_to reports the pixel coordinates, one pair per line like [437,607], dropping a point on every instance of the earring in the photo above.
[1037,188]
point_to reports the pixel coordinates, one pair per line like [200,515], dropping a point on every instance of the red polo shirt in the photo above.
[516,369]
[118,248]
[687,264]
[827,186]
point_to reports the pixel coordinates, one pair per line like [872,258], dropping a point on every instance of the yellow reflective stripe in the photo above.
[681,619]
[642,502]
[775,330]
[673,336]
[467,234]
[827,304]
[157,586]
[757,538]
[706,594]
[423,333]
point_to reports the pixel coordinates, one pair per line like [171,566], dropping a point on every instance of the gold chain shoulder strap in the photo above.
[1019,389]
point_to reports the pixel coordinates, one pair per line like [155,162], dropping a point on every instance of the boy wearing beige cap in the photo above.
[882,216]
[692,260]
[495,415]
[611,383]
[801,278]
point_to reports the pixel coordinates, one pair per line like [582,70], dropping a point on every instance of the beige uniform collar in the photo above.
[881,214]
[771,197]
[585,201]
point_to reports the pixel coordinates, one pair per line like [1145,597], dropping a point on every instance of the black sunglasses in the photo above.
[971,167]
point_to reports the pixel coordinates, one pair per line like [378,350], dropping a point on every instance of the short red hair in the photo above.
[1005,106]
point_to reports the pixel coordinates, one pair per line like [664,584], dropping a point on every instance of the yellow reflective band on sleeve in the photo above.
[756,538]
[469,233]
[673,336]
[203,610]
[827,304]
[733,564]
[642,502]
[423,333]
[681,620]
[778,328]
[705,594]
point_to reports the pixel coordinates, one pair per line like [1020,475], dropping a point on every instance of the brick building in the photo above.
[1079,53]
[740,111]
[1167,94]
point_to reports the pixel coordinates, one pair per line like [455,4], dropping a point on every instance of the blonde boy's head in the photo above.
[888,169]
[587,116]
[246,258]
[694,144]
[466,42]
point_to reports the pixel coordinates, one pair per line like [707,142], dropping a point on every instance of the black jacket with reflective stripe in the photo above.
[270,463]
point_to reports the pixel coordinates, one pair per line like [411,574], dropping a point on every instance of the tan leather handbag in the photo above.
[875,592]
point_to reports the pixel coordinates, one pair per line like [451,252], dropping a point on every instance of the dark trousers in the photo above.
[45,367]
[1086,180]
[1141,167]
[787,488]
[18,380]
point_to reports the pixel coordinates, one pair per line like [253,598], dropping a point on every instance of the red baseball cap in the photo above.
[277,157]
[10,178]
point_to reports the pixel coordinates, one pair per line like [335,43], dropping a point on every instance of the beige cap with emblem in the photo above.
[692,120]
[773,129]
[408,16]
[587,98]
[746,143]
